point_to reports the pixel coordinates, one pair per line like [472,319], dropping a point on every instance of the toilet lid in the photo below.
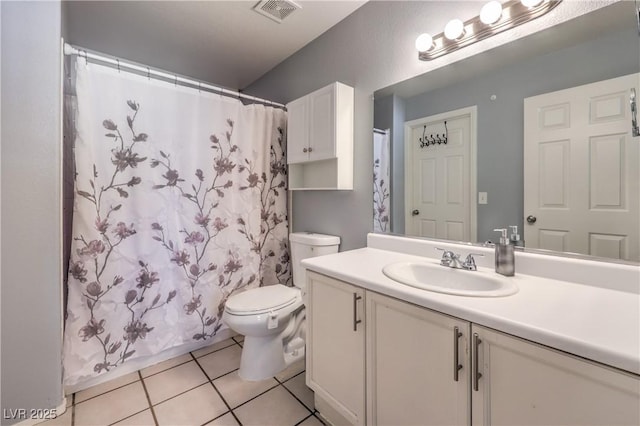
[261,300]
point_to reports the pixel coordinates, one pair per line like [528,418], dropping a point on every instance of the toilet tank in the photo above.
[305,245]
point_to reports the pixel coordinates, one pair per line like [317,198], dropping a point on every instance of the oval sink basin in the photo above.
[442,279]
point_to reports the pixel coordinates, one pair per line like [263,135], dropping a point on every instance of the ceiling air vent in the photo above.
[276,9]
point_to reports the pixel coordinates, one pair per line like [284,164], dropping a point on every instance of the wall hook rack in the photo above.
[426,141]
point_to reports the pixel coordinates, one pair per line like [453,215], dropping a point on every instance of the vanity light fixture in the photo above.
[491,12]
[494,18]
[454,29]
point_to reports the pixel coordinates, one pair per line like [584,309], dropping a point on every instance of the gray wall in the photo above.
[30,158]
[501,122]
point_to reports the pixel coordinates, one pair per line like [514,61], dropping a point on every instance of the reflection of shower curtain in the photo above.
[381,181]
[180,200]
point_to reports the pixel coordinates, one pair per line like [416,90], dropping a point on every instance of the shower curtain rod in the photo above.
[382,132]
[150,72]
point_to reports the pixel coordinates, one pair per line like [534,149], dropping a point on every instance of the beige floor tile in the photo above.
[106,387]
[239,338]
[212,348]
[165,365]
[195,407]
[290,371]
[144,418]
[69,400]
[311,421]
[171,382]
[299,388]
[276,407]
[226,420]
[63,419]
[112,406]
[221,362]
[237,391]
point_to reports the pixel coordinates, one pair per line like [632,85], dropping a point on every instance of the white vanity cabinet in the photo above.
[411,354]
[526,383]
[335,347]
[320,139]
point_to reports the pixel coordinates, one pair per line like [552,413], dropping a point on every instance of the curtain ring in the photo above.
[175,81]
[148,74]
[86,58]
[118,62]
[200,87]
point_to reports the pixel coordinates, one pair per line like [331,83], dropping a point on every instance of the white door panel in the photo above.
[440,178]
[581,170]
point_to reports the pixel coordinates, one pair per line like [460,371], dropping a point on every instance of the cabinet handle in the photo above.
[476,350]
[456,364]
[356,321]
[304,150]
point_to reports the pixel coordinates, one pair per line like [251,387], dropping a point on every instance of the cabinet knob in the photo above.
[304,149]
[310,149]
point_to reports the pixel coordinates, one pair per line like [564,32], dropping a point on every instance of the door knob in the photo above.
[531,219]
[415,212]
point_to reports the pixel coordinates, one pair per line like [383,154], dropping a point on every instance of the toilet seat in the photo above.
[262,300]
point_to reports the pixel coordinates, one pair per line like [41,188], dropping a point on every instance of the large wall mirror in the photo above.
[535,134]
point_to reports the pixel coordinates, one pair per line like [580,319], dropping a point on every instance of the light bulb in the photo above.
[491,12]
[424,42]
[454,29]
[530,3]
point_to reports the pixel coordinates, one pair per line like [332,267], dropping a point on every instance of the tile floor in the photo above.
[198,388]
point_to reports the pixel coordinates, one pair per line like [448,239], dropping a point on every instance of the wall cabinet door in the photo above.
[297,131]
[335,345]
[322,124]
[411,353]
[525,383]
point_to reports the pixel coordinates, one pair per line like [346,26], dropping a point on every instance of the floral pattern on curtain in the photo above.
[180,201]
[381,181]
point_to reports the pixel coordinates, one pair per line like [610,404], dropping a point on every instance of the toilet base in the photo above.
[264,357]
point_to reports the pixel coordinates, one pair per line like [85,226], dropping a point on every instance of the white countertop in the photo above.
[596,323]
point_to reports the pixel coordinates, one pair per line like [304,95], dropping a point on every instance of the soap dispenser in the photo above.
[505,258]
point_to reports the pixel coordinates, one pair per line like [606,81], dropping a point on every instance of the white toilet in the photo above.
[272,318]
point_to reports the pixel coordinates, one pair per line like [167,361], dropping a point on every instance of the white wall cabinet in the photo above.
[411,355]
[335,347]
[320,139]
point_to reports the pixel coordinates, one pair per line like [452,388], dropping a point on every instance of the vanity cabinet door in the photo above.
[410,365]
[335,346]
[526,383]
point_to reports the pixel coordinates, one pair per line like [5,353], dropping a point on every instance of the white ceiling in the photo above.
[223,42]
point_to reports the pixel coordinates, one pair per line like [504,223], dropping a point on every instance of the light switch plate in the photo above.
[482,198]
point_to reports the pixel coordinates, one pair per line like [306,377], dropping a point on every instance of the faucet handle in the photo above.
[447,256]
[470,263]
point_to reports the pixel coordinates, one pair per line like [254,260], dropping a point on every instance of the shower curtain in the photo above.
[381,180]
[180,201]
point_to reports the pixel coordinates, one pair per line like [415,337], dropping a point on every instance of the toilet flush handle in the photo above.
[272,320]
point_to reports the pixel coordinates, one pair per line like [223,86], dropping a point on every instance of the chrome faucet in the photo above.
[452,260]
